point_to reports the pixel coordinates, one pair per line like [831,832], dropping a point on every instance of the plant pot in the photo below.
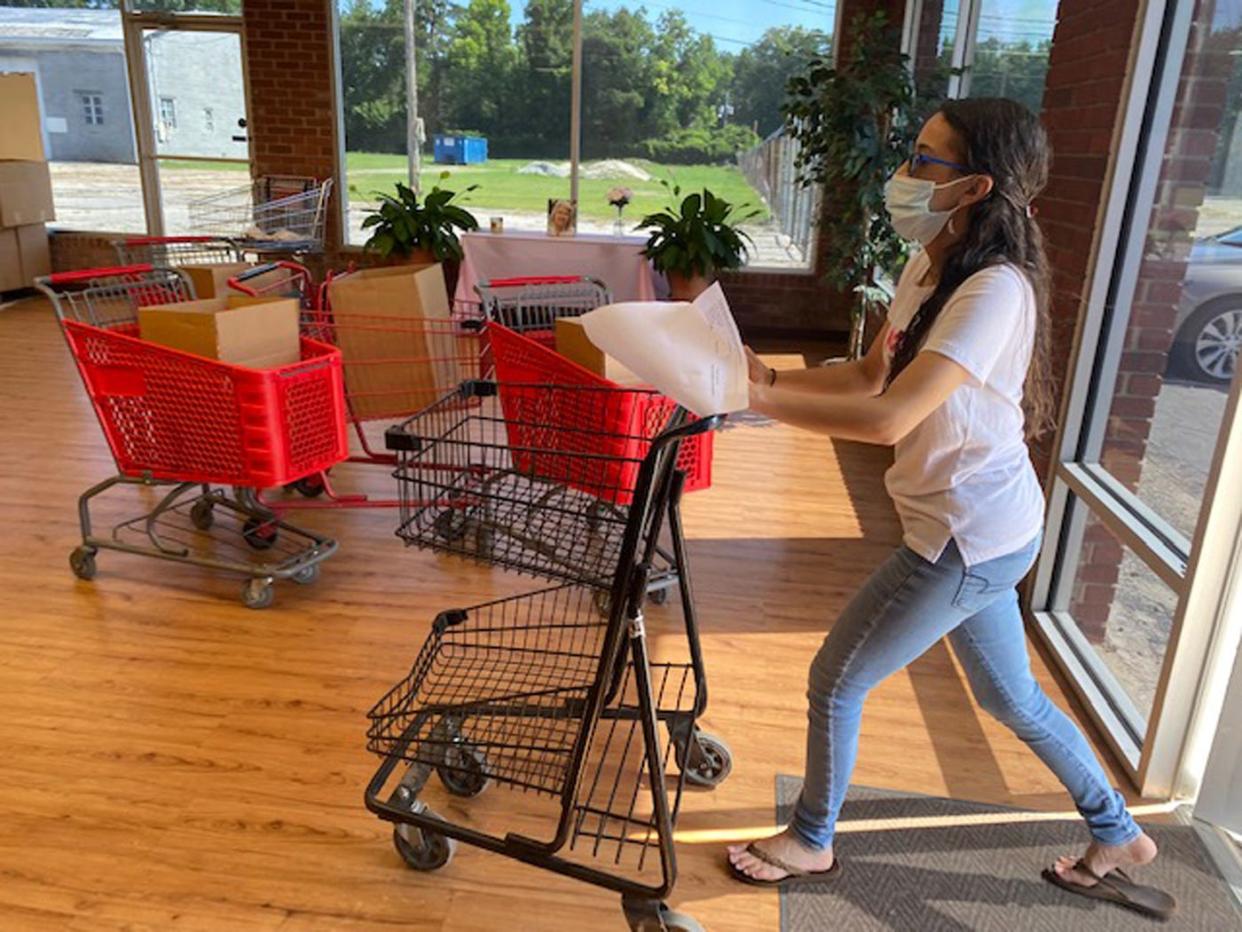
[688,287]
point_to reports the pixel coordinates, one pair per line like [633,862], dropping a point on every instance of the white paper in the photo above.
[690,352]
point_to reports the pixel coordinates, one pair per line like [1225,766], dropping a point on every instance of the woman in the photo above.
[560,218]
[963,353]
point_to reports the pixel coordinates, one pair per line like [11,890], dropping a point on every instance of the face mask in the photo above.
[908,201]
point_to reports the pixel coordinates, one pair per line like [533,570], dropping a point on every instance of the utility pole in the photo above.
[414,134]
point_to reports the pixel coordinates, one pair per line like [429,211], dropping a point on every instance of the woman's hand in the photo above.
[757,371]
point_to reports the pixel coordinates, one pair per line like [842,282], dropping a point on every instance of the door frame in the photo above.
[134,23]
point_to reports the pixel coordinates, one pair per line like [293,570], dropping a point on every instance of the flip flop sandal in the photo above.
[794,876]
[1117,887]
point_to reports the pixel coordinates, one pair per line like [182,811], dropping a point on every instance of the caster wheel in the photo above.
[603,603]
[680,922]
[710,761]
[260,533]
[306,575]
[82,562]
[657,596]
[203,514]
[421,849]
[451,525]
[463,772]
[308,486]
[258,593]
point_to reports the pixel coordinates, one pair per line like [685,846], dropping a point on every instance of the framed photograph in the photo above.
[562,217]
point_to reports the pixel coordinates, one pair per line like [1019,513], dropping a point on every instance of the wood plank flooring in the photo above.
[170,759]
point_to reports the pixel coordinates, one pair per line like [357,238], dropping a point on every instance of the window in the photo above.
[1120,586]
[980,48]
[209,120]
[92,108]
[668,92]
[168,112]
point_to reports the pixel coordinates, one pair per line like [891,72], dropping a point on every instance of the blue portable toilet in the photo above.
[459,150]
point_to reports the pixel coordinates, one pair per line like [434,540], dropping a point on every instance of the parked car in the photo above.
[1209,321]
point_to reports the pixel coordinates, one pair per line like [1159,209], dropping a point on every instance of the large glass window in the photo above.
[669,92]
[1147,409]
[77,58]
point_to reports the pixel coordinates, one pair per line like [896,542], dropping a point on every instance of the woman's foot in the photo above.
[784,847]
[1102,859]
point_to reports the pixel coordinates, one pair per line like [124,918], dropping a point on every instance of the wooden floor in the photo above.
[170,758]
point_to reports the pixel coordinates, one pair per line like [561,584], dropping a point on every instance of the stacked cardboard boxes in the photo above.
[25,184]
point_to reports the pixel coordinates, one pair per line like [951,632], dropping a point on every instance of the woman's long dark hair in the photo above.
[1001,138]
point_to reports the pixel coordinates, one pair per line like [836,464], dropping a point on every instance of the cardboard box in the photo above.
[573,344]
[211,281]
[261,336]
[24,254]
[25,193]
[390,366]
[19,115]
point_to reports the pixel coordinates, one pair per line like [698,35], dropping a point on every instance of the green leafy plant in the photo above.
[856,123]
[400,225]
[697,236]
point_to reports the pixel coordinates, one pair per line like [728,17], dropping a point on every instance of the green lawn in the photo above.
[502,188]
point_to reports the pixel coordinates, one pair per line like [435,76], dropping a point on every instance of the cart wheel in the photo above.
[451,524]
[421,849]
[657,596]
[603,602]
[306,575]
[258,593]
[260,533]
[680,922]
[82,562]
[710,759]
[203,514]
[464,771]
[308,486]
[484,540]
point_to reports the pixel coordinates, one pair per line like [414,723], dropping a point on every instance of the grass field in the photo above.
[502,188]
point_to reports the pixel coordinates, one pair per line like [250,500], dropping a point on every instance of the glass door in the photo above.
[188,72]
[1144,509]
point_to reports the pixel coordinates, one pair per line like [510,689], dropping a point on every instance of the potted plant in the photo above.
[856,121]
[691,241]
[420,232]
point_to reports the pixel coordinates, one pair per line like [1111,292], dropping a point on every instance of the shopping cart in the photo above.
[168,251]
[531,305]
[552,695]
[178,421]
[275,213]
[394,365]
[465,481]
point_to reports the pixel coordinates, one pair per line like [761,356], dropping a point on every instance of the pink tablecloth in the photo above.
[614,260]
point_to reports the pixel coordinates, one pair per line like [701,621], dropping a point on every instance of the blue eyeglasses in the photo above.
[918,160]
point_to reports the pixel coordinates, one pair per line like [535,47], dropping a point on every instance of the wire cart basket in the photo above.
[531,305]
[275,213]
[186,423]
[168,251]
[553,694]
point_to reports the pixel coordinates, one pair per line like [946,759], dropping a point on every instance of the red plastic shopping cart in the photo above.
[175,419]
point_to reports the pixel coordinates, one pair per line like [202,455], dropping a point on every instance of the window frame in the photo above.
[92,107]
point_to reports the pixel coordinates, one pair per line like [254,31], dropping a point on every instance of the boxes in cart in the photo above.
[573,343]
[366,307]
[258,335]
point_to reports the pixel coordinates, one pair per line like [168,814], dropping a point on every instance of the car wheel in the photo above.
[1209,342]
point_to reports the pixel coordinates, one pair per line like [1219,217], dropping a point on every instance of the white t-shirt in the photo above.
[964,473]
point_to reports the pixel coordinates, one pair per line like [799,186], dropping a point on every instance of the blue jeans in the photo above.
[906,606]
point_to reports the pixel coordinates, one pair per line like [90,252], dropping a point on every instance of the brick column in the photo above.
[292,111]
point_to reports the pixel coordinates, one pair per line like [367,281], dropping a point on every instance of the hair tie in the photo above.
[1031,210]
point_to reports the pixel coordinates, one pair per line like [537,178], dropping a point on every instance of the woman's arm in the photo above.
[885,419]
[857,377]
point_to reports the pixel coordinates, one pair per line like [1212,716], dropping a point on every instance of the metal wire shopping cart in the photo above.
[552,693]
[471,500]
[531,305]
[168,251]
[275,213]
[189,423]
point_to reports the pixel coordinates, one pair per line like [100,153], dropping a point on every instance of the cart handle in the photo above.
[82,275]
[263,270]
[532,280]
[163,240]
